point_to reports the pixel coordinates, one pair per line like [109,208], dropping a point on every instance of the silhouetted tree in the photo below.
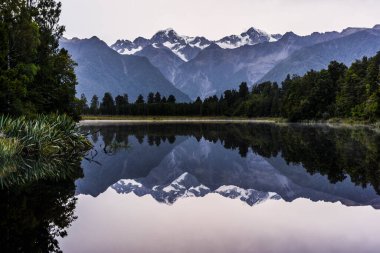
[94,106]
[151,98]
[108,105]
[171,99]
[140,99]
[157,98]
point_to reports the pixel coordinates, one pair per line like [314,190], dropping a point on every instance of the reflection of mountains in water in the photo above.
[189,166]
[187,185]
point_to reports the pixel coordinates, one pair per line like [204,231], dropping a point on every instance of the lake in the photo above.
[204,187]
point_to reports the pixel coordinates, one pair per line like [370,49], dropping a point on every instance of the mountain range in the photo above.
[186,47]
[188,67]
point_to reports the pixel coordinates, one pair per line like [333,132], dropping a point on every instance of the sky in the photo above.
[127,19]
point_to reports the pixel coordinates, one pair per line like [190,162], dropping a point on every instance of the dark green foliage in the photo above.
[358,95]
[46,136]
[35,75]
[121,103]
[171,99]
[157,97]
[309,97]
[83,106]
[140,99]
[335,92]
[94,105]
[108,104]
[265,100]
[243,90]
[151,99]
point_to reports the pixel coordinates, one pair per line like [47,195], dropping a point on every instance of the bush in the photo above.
[47,136]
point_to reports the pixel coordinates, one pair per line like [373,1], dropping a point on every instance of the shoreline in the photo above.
[189,120]
[102,120]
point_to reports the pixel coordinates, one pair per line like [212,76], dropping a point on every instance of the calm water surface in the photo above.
[213,188]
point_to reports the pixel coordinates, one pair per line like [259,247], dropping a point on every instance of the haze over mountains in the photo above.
[188,67]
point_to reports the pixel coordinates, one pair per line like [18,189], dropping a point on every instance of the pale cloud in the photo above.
[126,19]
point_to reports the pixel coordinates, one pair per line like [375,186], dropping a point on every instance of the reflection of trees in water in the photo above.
[334,152]
[38,208]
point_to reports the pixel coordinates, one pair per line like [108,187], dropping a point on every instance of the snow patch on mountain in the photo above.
[129,182]
[176,184]
[130,51]
[250,196]
[251,37]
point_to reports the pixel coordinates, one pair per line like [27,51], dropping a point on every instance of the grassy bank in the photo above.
[176,118]
[344,122]
[348,121]
[91,119]
[46,136]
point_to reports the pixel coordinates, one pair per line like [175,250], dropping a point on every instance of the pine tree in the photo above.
[94,105]
[121,103]
[171,99]
[157,98]
[84,109]
[140,99]
[151,99]
[107,107]
[243,90]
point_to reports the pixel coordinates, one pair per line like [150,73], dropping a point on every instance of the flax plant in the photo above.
[45,136]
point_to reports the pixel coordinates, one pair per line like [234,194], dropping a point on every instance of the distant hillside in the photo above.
[316,57]
[100,69]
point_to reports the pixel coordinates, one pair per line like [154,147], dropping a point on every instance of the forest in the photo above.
[336,92]
[36,76]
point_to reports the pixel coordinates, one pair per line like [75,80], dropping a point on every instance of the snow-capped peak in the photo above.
[252,36]
[186,47]
[250,196]
[168,30]
[167,35]
[126,47]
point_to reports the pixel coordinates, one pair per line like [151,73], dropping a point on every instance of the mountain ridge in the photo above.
[198,67]
[100,69]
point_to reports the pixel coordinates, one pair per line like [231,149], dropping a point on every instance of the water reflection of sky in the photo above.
[127,223]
